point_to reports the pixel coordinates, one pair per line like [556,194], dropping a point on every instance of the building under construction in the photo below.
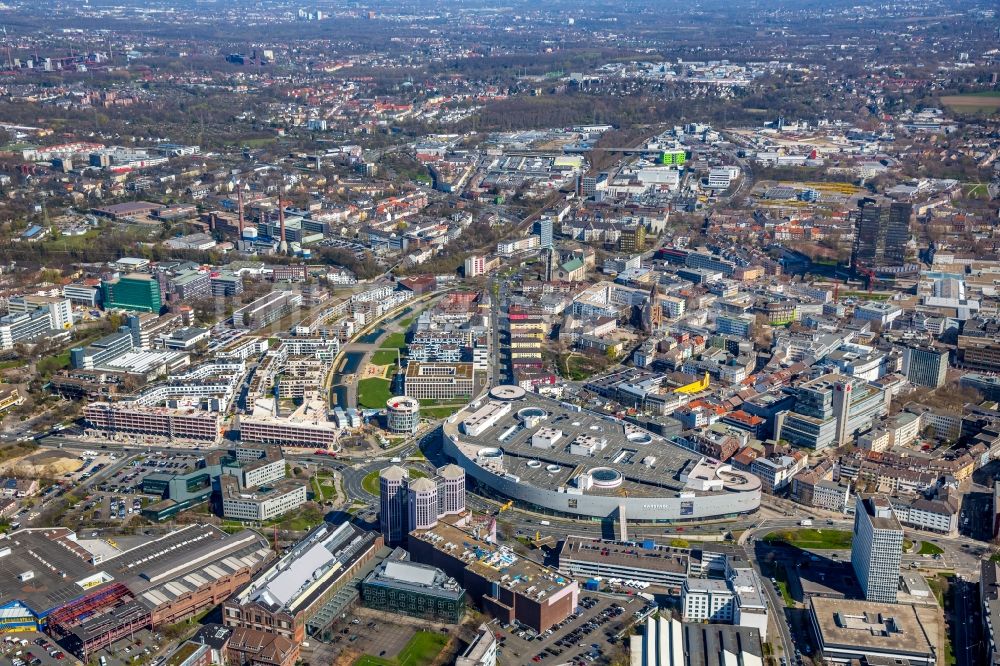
[90,593]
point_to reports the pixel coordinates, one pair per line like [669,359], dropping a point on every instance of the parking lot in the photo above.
[32,649]
[586,637]
[129,478]
[143,647]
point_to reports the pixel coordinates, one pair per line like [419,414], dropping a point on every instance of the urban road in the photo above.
[961,553]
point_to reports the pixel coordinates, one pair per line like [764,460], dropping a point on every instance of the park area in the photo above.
[422,649]
[373,392]
[812,539]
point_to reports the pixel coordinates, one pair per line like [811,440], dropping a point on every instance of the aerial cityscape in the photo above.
[416,333]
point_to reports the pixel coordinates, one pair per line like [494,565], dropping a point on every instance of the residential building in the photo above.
[989,599]
[439,381]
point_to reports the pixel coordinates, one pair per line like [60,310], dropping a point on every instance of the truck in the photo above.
[806,522]
[544,522]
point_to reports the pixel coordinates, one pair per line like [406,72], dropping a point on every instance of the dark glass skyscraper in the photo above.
[881,233]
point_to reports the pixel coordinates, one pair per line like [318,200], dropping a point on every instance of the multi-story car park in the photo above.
[647,562]
[184,424]
[553,458]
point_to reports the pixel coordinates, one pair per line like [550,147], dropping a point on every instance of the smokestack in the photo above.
[239,204]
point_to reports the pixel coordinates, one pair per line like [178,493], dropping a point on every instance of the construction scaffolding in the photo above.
[98,619]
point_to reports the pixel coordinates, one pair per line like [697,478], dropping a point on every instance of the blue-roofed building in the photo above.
[34,233]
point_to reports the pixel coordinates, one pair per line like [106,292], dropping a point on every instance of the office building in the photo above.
[632,240]
[260,503]
[290,593]
[422,504]
[416,590]
[543,229]
[876,548]
[450,481]
[83,294]
[737,598]
[249,467]
[668,642]
[407,504]
[503,584]
[282,432]
[830,411]
[881,234]
[925,366]
[60,309]
[979,344]
[851,632]
[226,284]
[402,415]
[439,381]
[190,284]
[102,351]
[134,291]
[393,508]
[24,327]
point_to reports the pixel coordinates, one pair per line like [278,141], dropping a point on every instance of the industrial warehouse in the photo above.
[90,593]
[554,458]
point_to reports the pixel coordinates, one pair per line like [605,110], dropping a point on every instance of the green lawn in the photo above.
[439,412]
[928,548]
[323,488]
[370,483]
[813,538]
[782,578]
[384,357]
[422,649]
[373,392]
[394,341]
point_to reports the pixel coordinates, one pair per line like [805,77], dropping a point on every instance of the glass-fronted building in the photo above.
[417,590]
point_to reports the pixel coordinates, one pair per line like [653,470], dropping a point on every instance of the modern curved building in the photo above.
[553,457]
[402,415]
